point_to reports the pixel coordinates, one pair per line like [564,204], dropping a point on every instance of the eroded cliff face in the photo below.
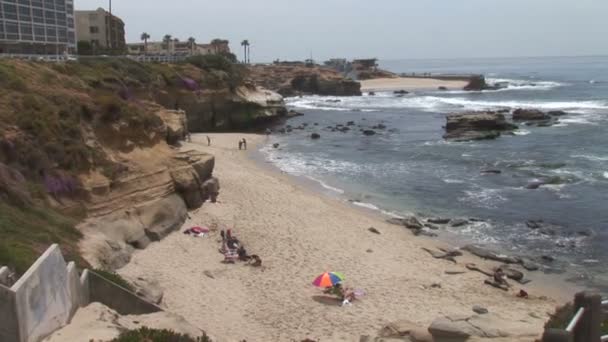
[92,142]
[299,80]
[243,108]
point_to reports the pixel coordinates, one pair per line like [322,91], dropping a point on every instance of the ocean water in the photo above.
[409,168]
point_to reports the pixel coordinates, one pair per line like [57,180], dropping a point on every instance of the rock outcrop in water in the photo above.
[478,83]
[476,126]
[300,80]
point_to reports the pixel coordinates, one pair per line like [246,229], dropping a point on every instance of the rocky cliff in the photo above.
[292,80]
[95,142]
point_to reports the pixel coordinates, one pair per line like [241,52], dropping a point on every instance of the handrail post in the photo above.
[588,328]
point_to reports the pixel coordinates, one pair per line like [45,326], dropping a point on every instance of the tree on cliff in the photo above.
[167,42]
[145,36]
[245,45]
[192,43]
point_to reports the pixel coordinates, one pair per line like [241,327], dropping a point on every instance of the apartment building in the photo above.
[104,31]
[37,27]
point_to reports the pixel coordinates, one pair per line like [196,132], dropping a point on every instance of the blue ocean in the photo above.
[409,168]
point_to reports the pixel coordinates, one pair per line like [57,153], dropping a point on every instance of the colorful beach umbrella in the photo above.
[328,279]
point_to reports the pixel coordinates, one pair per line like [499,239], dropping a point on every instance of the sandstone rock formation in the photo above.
[476,126]
[97,322]
[296,80]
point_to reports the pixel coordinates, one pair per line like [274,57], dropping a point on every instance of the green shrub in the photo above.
[146,334]
[115,278]
[25,233]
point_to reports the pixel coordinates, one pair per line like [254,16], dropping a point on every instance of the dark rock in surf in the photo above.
[458,222]
[438,220]
[491,255]
[292,114]
[478,83]
[496,172]
[315,136]
[529,115]
[401,92]
[350,123]
[369,132]
[275,145]
[476,126]
[557,113]
[371,93]
[534,224]
[410,222]
[442,88]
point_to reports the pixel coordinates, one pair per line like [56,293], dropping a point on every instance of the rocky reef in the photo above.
[476,126]
[293,80]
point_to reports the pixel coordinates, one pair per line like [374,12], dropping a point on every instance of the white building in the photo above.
[37,27]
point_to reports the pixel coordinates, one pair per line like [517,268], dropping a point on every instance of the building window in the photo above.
[71,22]
[49,17]
[24,2]
[38,15]
[37,3]
[49,4]
[63,35]
[12,31]
[26,32]
[93,16]
[51,34]
[24,14]
[10,11]
[94,29]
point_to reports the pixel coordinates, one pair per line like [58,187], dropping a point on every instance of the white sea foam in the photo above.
[325,185]
[605,174]
[366,205]
[439,103]
[590,157]
[453,181]
[521,132]
[483,198]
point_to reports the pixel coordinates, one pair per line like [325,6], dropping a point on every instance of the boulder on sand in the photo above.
[476,126]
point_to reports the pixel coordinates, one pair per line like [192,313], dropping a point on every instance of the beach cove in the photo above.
[299,234]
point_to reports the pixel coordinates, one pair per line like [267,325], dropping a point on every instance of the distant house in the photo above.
[370,64]
[177,48]
[102,30]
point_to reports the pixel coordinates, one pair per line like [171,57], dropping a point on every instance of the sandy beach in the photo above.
[299,234]
[409,84]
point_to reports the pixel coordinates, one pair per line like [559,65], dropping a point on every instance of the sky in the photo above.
[386,29]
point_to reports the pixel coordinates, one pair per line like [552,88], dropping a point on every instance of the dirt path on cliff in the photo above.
[299,235]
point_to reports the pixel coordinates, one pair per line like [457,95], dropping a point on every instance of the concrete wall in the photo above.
[9,327]
[118,298]
[48,295]
[45,299]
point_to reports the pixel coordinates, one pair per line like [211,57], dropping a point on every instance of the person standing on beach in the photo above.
[208,141]
[240,144]
[244,143]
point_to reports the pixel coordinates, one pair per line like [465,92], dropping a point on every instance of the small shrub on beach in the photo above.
[146,334]
[115,278]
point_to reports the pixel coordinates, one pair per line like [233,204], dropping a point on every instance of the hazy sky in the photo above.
[387,29]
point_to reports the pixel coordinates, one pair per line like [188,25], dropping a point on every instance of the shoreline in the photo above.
[300,233]
[556,284]
[410,84]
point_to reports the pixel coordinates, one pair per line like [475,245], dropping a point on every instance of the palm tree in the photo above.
[145,37]
[192,43]
[245,45]
[167,41]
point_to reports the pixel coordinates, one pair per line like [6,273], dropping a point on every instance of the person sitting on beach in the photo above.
[242,252]
[336,290]
[500,278]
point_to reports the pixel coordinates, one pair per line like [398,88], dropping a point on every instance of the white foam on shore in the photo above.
[521,132]
[325,185]
[439,103]
[605,174]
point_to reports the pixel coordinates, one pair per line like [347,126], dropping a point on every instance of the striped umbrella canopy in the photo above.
[328,279]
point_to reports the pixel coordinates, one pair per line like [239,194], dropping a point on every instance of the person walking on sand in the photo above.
[208,141]
[244,144]
[240,144]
